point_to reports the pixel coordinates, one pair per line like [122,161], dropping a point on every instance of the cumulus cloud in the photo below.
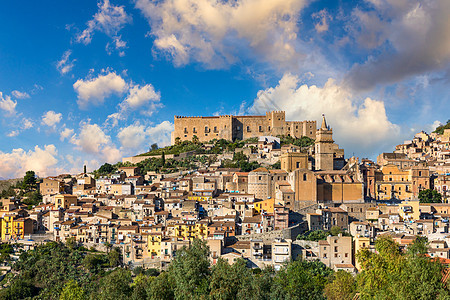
[51,118]
[20,95]
[109,19]
[93,140]
[136,136]
[65,134]
[41,160]
[211,32]
[95,90]
[144,98]
[8,105]
[414,36]
[362,127]
[65,65]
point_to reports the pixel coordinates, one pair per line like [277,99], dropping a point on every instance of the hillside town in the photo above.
[266,216]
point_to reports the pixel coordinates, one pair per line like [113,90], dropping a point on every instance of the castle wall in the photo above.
[240,127]
[205,128]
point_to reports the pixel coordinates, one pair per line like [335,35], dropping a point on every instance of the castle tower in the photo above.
[324,147]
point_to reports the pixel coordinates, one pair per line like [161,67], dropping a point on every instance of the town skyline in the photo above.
[83,83]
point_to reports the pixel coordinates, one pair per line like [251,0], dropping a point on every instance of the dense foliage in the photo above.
[317,235]
[241,161]
[440,129]
[56,271]
[303,142]
[430,196]
[394,274]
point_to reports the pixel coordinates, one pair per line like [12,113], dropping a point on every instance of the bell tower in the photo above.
[324,151]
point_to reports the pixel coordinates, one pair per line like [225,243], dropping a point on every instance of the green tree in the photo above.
[230,281]
[116,285]
[161,287]
[342,287]
[19,289]
[29,180]
[72,291]
[92,262]
[154,147]
[177,141]
[190,271]
[393,274]
[106,169]
[335,230]
[430,196]
[163,159]
[114,257]
[71,243]
[301,279]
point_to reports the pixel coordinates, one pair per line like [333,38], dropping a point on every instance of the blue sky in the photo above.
[84,82]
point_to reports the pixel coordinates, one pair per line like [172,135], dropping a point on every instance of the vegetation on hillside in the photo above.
[241,161]
[440,129]
[56,271]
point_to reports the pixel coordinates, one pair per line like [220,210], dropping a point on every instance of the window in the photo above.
[346,254]
[269,128]
[248,128]
[260,128]
[185,130]
[215,128]
[194,130]
[304,177]
[420,173]
[206,129]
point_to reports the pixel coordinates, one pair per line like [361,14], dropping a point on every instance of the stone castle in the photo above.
[240,127]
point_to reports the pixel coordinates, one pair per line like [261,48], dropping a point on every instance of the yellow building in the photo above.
[265,205]
[200,198]
[191,230]
[403,184]
[409,210]
[154,244]
[14,227]
[65,201]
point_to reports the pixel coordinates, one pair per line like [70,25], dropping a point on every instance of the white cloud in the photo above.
[7,104]
[95,90]
[65,134]
[13,133]
[137,136]
[51,118]
[109,19]
[413,36]
[65,65]
[322,16]
[142,98]
[20,95]
[359,126]
[27,124]
[212,32]
[93,140]
[18,161]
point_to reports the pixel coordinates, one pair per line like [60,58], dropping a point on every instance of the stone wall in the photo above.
[240,127]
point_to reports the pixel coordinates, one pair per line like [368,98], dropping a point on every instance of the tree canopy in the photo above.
[430,196]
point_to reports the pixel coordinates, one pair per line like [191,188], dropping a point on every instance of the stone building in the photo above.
[240,127]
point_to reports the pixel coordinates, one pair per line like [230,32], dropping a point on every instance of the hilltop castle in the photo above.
[240,127]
